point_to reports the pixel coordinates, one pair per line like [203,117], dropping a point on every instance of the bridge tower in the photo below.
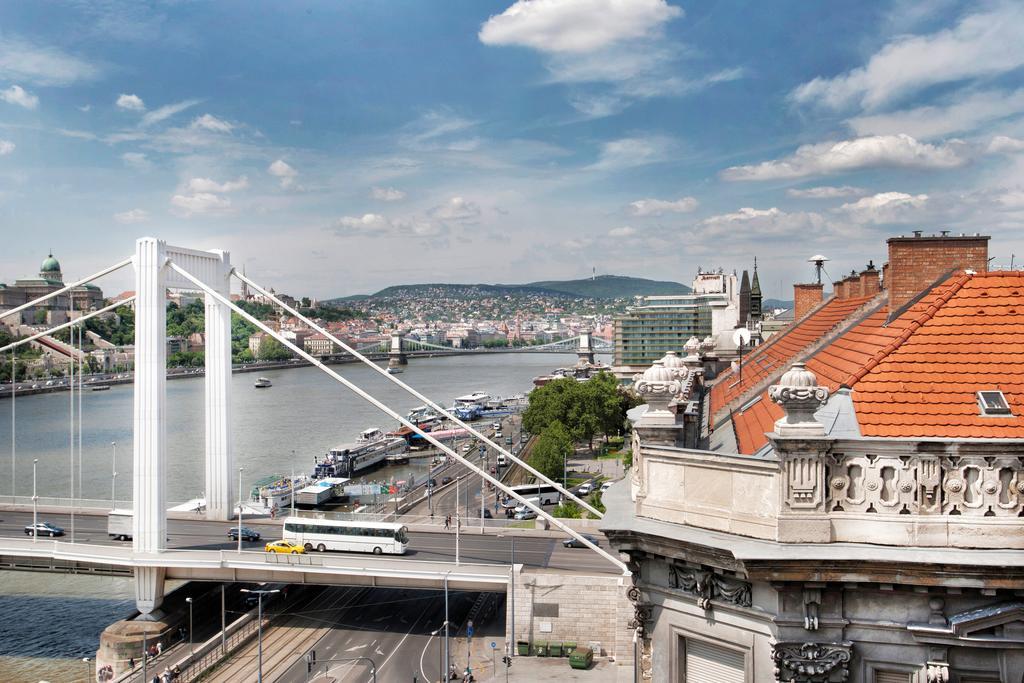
[396,356]
[586,349]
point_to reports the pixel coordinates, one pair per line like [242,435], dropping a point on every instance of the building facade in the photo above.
[55,310]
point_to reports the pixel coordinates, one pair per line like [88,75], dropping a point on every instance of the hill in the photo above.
[601,287]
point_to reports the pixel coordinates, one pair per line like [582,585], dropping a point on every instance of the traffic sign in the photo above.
[469,631]
[493,645]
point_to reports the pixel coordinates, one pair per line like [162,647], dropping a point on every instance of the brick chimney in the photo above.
[869,280]
[839,289]
[916,262]
[805,297]
[853,285]
[885,275]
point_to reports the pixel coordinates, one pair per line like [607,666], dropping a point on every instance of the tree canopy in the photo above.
[586,409]
[553,446]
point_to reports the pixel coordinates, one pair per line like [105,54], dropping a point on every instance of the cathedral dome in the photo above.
[50,265]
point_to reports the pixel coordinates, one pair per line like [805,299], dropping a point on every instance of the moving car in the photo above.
[526,513]
[286,547]
[247,533]
[575,543]
[446,480]
[584,489]
[44,529]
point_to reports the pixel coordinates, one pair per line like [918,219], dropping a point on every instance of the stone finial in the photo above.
[799,395]
[692,344]
[657,386]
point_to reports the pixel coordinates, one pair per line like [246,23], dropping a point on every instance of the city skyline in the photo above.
[507,141]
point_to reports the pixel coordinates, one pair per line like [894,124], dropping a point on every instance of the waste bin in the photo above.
[541,648]
[581,658]
[523,648]
[555,649]
[567,648]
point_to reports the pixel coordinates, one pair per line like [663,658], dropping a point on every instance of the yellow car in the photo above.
[287,547]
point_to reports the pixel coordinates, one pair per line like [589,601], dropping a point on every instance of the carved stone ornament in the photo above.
[657,386]
[812,662]
[705,586]
[799,395]
[812,603]
[937,672]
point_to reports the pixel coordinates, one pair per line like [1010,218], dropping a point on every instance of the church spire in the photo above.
[755,296]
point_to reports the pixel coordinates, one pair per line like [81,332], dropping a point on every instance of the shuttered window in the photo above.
[891,677]
[707,663]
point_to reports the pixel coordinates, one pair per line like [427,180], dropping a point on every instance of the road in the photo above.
[440,546]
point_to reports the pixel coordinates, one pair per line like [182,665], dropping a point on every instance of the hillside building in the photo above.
[56,310]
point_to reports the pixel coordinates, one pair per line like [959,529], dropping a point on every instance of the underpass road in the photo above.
[428,546]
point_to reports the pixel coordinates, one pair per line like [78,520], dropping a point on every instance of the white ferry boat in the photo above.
[371,448]
[477,398]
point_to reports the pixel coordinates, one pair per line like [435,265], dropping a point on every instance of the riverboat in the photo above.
[370,449]
[262,383]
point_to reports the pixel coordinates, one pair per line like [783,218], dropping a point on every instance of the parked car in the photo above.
[247,534]
[487,514]
[497,426]
[466,448]
[575,543]
[431,482]
[497,434]
[584,490]
[607,485]
[526,513]
[286,547]
[508,440]
[446,480]
[44,529]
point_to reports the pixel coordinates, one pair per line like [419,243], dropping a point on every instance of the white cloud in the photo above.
[23,61]
[130,102]
[211,123]
[894,151]
[166,112]
[456,209]
[19,96]
[749,223]
[281,169]
[576,25]
[1002,144]
[368,222]
[136,160]
[985,43]
[376,225]
[387,194]
[885,207]
[200,203]
[132,216]
[656,207]
[85,108]
[825,192]
[6,147]
[632,152]
[968,112]
[624,231]
[200,185]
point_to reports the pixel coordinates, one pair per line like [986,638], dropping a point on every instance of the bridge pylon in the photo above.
[396,355]
[586,348]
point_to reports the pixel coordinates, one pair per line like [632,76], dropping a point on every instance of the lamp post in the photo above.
[447,652]
[440,652]
[88,668]
[512,600]
[191,640]
[113,475]
[35,499]
[259,627]
[240,470]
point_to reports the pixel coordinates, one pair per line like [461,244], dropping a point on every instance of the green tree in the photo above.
[586,409]
[271,349]
[568,510]
[553,446]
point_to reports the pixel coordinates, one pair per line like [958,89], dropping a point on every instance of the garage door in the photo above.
[708,663]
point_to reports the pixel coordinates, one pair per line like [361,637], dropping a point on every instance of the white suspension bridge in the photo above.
[159,267]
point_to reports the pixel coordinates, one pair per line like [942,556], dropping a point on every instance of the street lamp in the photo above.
[240,470]
[88,668]
[191,640]
[512,607]
[440,651]
[35,505]
[447,652]
[259,626]
[113,475]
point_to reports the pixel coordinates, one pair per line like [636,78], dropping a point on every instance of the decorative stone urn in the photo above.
[657,386]
[799,395]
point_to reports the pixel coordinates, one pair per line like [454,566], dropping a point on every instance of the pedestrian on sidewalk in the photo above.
[159,648]
[131,663]
[447,522]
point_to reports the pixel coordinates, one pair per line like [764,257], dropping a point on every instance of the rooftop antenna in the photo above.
[819,264]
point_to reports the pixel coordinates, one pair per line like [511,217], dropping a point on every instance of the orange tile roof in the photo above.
[775,356]
[968,339]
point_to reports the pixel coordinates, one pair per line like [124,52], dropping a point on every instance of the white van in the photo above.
[522,508]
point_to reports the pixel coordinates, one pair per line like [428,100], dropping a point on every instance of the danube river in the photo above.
[50,622]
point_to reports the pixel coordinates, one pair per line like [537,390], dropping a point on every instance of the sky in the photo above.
[338,147]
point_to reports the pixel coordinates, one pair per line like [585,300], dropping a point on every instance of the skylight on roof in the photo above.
[993,403]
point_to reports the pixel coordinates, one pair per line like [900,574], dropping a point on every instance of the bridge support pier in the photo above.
[396,356]
[149,591]
[586,350]
[220,500]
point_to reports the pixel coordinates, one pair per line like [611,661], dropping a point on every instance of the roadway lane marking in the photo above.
[399,646]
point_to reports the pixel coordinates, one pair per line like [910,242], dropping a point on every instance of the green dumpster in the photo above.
[567,648]
[523,648]
[555,649]
[581,658]
[541,648]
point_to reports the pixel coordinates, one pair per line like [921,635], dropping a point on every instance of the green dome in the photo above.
[50,265]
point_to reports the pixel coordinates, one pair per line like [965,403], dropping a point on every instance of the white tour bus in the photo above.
[334,534]
[546,493]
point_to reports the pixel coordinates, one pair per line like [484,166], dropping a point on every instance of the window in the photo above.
[993,403]
[891,677]
[705,662]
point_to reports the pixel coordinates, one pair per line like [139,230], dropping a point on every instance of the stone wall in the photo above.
[573,608]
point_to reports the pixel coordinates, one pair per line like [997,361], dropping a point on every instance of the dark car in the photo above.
[44,529]
[431,482]
[574,543]
[446,480]
[247,534]
[487,514]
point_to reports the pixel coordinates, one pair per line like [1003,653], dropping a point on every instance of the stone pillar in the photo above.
[657,387]
[396,356]
[586,350]
[220,497]
[149,522]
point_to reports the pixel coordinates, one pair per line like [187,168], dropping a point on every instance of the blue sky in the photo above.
[339,147]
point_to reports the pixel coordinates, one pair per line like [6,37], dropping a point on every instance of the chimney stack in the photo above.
[853,285]
[916,262]
[805,297]
[869,285]
[839,289]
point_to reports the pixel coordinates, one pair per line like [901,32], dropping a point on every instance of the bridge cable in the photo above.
[417,394]
[62,326]
[389,411]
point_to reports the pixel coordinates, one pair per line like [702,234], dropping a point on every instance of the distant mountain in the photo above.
[600,287]
[769,304]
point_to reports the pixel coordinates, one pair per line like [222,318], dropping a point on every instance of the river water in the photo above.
[49,622]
